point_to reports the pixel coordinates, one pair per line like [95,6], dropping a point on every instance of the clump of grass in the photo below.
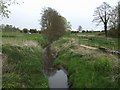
[13,78]
[27,68]
[103,66]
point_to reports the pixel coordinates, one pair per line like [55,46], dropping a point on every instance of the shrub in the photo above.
[113,33]
[25,30]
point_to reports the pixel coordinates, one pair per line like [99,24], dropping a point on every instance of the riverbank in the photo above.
[87,68]
[22,65]
[22,68]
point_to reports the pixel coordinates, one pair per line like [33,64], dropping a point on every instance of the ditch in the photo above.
[57,75]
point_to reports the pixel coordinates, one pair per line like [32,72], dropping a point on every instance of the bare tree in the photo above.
[113,18]
[102,15]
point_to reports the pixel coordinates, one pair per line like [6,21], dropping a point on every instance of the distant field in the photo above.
[96,41]
[17,38]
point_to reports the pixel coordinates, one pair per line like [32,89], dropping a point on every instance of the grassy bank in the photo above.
[22,60]
[22,67]
[87,68]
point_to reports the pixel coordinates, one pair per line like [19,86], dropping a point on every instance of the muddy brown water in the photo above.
[57,78]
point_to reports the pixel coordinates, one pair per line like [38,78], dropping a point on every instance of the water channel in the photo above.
[57,77]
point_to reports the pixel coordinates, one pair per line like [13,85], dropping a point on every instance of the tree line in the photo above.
[10,28]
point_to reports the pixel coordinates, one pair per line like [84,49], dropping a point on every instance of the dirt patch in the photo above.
[87,35]
[88,47]
[30,43]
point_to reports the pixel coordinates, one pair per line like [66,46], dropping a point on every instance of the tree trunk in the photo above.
[105,28]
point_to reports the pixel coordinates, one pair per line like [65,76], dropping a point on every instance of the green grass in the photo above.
[23,68]
[100,41]
[87,72]
[94,40]
[87,68]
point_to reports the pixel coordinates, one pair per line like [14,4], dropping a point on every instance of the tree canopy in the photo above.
[114,18]
[114,22]
[53,24]
[118,20]
[4,4]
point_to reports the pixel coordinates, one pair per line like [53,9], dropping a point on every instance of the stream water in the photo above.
[57,78]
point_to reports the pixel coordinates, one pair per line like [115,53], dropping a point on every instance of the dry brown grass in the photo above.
[21,43]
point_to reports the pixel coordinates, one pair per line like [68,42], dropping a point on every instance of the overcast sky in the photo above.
[77,12]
